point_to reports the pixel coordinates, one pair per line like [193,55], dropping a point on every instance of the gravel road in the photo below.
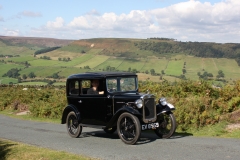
[97,144]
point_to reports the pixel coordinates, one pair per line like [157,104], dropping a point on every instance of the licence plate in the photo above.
[150,126]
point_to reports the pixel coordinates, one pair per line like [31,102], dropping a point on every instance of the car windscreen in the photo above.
[121,84]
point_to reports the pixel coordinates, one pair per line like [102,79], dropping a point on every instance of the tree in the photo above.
[146,72]
[59,59]
[24,76]
[220,74]
[184,70]
[152,71]
[182,77]
[134,70]
[31,75]
[160,78]
[55,76]
[162,72]
[19,80]
[12,73]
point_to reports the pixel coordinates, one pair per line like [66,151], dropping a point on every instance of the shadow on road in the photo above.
[146,136]
[181,135]
[100,134]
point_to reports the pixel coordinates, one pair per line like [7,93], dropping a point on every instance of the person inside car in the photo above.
[94,89]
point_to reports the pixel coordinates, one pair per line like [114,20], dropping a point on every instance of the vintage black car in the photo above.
[116,104]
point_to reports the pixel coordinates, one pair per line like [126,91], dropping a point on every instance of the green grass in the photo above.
[111,61]
[217,130]
[4,68]
[93,62]
[74,62]
[131,63]
[41,71]
[6,80]
[15,50]
[71,70]
[158,64]
[229,67]
[174,67]
[22,58]
[43,62]
[10,150]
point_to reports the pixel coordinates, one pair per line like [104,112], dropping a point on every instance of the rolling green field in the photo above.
[43,68]
[121,54]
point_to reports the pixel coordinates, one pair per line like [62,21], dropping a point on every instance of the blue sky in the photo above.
[184,20]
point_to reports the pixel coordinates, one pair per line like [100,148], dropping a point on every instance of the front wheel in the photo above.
[167,125]
[128,128]
[73,127]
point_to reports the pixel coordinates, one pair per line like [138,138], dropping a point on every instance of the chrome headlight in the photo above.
[139,103]
[163,101]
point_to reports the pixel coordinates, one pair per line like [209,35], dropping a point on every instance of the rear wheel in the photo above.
[73,127]
[167,125]
[128,128]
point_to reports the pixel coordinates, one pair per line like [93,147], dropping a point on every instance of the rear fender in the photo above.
[68,109]
[128,109]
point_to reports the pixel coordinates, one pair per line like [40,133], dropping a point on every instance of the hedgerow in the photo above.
[197,103]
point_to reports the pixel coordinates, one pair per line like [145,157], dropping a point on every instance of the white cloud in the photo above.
[186,21]
[58,23]
[8,32]
[30,14]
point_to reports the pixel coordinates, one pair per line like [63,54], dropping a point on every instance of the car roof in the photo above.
[100,74]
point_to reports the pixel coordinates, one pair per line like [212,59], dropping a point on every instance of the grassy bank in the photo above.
[10,150]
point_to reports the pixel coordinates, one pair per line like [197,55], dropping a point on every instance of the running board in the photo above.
[92,126]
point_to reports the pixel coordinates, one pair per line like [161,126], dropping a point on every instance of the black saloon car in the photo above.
[111,101]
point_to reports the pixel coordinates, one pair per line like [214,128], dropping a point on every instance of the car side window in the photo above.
[112,84]
[86,84]
[92,87]
[74,87]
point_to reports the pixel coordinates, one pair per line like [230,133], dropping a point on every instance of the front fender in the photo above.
[128,109]
[163,109]
[68,109]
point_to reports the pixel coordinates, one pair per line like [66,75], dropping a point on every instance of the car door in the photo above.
[93,107]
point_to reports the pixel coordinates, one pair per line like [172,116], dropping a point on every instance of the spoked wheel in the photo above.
[167,125]
[111,130]
[73,127]
[128,127]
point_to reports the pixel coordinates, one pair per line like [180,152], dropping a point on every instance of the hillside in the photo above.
[155,58]
[33,41]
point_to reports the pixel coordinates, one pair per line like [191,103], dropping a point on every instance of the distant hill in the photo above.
[34,41]
[160,47]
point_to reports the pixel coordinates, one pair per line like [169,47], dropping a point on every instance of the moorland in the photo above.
[47,60]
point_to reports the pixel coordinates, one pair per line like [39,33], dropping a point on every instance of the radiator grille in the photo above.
[149,108]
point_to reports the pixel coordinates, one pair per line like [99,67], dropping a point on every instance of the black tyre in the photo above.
[167,125]
[128,128]
[73,127]
[111,130]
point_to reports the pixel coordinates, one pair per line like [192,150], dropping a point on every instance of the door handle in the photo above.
[80,101]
